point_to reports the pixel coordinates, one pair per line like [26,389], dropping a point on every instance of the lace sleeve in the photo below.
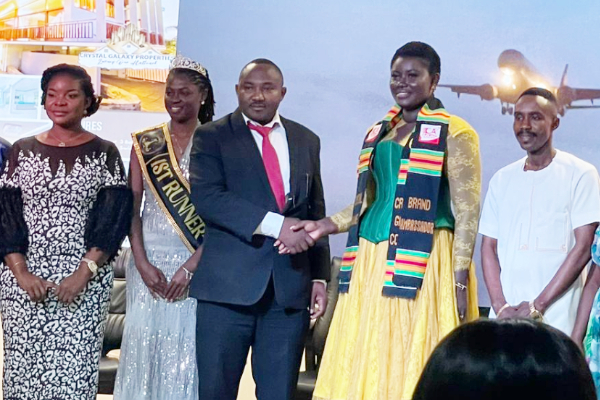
[109,220]
[114,171]
[343,219]
[14,237]
[464,176]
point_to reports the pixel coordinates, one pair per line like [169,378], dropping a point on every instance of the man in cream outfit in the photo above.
[538,222]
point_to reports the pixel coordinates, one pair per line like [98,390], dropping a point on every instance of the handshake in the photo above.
[297,236]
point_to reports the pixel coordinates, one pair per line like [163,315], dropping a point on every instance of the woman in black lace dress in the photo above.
[64,210]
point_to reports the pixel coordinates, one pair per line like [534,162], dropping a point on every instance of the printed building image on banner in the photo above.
[125,46]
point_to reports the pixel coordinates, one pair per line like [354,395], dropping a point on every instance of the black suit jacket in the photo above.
[4,148]
[231,192]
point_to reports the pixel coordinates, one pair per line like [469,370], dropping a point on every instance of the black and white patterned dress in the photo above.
[52,350]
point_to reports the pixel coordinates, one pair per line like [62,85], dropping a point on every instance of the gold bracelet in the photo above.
[461,286]
[17,263]
[534,313]
[188,274]
[504,307]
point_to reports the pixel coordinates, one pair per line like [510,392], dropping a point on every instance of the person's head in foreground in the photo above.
[507,360]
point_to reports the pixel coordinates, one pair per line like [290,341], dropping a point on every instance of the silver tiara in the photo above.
[187,63]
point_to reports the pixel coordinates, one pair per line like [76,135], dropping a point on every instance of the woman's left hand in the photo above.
[178,285]
[461,278]
[73,285]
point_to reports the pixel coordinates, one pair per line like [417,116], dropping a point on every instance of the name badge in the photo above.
[430,134]
[373,133]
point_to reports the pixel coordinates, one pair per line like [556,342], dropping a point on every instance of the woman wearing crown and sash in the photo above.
[406,278]
[158,356]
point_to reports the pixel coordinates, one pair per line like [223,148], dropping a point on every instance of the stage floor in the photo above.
[246,385]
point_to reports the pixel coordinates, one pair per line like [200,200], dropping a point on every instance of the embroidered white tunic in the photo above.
[533,215]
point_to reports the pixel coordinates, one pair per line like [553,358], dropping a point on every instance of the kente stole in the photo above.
[415,200]
[155,153]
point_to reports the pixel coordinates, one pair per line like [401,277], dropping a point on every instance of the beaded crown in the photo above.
[187,63]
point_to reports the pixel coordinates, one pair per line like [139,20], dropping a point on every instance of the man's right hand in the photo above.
[36,287]
[315,229]
[296,241]
[154,279]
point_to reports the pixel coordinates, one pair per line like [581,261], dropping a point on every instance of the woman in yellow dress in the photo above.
[407,278]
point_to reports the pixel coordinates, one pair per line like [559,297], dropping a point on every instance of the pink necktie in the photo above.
[271,163]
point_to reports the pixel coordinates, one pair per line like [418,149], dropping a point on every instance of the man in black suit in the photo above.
[254,174]
[4,148]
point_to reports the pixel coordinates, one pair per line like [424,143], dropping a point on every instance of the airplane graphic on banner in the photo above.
[518,75]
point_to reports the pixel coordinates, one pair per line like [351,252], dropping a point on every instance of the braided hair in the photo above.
[207,110]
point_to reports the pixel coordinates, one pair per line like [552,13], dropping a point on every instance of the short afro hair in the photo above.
[538,91]
[263,61]
[423,51]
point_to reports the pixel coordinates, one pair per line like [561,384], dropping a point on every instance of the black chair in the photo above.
[315,342]
[113,332]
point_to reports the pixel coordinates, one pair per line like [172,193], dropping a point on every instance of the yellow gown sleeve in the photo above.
[343,219]
[464,177]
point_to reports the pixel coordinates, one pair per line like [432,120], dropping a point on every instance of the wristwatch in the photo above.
[91,264]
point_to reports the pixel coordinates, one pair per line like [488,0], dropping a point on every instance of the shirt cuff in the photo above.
[488,230]
[323,281]
[271,225]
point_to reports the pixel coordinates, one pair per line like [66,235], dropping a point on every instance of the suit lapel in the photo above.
[244,137]
[293,139]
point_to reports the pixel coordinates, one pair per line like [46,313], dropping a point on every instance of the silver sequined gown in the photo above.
[158,353]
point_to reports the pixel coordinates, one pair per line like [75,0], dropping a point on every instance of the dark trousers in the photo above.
[224,335]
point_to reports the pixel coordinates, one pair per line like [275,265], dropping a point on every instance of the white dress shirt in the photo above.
[272,223]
